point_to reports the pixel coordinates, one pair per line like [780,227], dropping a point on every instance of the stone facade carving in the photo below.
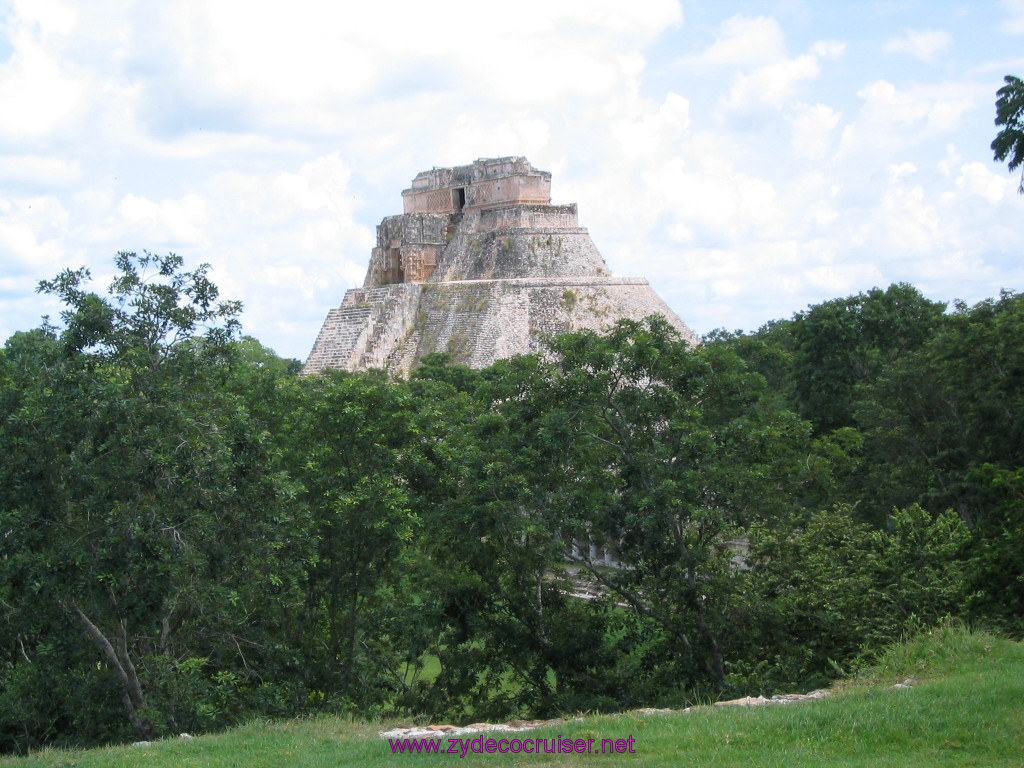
[480,265]
[487,183]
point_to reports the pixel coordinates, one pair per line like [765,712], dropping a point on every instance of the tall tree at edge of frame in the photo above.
[1009,142]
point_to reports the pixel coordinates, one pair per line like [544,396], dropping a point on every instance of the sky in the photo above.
[748,159]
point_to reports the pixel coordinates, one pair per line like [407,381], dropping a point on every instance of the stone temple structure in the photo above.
[480,265]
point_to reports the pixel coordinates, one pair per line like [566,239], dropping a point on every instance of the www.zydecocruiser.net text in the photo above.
[480,745]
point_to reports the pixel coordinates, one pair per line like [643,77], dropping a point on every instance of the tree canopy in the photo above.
[191,534]
[1008,145]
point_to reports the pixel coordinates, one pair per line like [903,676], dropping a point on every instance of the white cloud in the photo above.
[950,162]
[893,118]
[643,175]
[776,84]
[48,16]
[977,179]
[927,232]
[743,40]
[294,245]
[923,44]
[309,211]
[812,129]
[474,133]
[829,49]
[1014,25]
[31,234]
[37,92]
[36,170]
[744,179]
[950,105]
[884,99]
[695,194]
[285,63]
[901,172]
[320,185]
[842,279]
[726,289]
[772,85]
[655,133]
[172,223]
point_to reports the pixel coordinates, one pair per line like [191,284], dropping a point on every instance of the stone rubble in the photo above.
[452,730]
[525,725]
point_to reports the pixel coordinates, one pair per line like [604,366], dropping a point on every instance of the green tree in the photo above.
[769,352]
[350,442]
[943,428]
[671,452]
[135,503]
[935,419]
[1008,144]
[842,343]
[507,637]
[826,591]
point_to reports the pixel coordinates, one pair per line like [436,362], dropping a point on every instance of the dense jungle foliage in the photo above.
[191,534]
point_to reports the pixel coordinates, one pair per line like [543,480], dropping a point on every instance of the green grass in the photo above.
[967,709]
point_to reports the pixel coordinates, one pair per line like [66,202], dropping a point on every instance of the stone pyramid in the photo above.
[480,265]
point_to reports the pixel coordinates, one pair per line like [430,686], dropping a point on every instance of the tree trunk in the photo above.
[119,662]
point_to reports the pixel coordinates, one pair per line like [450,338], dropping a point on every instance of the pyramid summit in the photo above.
[482,266]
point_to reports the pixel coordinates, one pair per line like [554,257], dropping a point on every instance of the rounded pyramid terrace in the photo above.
[480,265]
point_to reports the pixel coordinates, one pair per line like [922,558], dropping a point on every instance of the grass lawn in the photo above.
[966,709]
